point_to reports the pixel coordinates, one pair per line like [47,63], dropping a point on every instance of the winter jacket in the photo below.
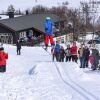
[57,48]
[18,44]
[95,54]
[74,50]
[68,52]
[81,52]
[62,53]
[3,57]
[86,53]
[49,27]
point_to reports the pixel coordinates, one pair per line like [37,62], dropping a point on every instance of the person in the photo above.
[91,59]
[3,58]
[53,52]
[18,44]
[48,32]
[81,55]
[68,53]
[95,54]
[86,54]
[62,54]
[57,51]
[74,52]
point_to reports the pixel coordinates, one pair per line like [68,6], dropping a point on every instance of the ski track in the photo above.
[82,91]
[13,94]
[76,87]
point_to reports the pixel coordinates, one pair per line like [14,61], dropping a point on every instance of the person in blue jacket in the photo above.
[48,31]
[57,51]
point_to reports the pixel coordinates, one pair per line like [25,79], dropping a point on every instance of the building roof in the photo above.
[35,21]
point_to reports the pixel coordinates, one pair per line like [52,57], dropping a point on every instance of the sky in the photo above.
[33,76]
[24,4]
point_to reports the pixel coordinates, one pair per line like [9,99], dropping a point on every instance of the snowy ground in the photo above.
[33,76]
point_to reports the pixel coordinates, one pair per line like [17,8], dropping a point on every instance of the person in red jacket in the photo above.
[74,52]
[3,57]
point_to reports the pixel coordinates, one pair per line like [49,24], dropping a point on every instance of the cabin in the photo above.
[12,29]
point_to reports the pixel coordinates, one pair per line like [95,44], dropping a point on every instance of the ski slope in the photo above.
[33,76]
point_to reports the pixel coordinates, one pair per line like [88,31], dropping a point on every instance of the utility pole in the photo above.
[94,5]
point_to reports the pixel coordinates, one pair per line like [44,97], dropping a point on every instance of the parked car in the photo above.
[94,41]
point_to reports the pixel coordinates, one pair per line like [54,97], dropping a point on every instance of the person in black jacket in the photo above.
[95,54]
[18,44]
[86,54]
[62,54]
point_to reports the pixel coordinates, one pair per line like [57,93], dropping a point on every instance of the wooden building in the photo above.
[14,28]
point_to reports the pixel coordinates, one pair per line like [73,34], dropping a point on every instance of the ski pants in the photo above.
[47,38]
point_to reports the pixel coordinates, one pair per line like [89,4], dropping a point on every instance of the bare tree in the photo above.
[11,8]
[39,9]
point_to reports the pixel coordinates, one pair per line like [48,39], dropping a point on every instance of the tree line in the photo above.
[83,19]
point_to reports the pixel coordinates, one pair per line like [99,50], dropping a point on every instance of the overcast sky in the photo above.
[24,4]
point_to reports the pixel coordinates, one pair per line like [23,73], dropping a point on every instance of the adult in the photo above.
[74,52]
[62,54]
[48,31]
[68,53]
[81,55]
[57,51]
[95,54]
[18,45]
[86,54]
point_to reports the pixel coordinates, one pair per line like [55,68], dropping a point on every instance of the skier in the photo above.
[18,44]
[3,57]
[48,32]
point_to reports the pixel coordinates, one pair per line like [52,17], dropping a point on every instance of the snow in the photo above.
[33,76]
[6,17]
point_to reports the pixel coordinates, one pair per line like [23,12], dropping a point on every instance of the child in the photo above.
[91,60]
[3,57]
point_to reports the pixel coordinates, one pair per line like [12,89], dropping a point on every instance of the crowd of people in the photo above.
[84,53]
